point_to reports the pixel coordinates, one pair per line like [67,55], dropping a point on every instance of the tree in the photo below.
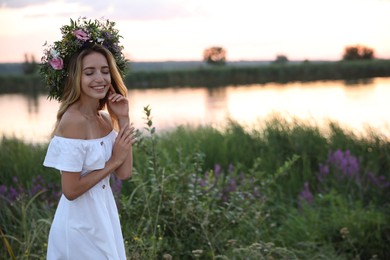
[281,59]
[215,55]
[358,52]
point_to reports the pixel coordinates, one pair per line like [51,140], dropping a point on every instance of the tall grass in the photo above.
[25,223]
[24,161]
[281,190]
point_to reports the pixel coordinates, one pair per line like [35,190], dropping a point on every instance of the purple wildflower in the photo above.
[324,171]
[202,183]
[305,196]
[217,170]
[224,184]
[37,184]
[229,188]
[345,163]
[232,185]
[12,194]
[116,184]
[3,190]
[379,182]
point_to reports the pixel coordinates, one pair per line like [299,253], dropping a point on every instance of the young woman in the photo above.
[88,144]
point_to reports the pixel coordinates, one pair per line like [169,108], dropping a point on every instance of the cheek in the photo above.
[84,83]
[107,78]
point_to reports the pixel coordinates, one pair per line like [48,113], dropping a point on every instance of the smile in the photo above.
[99,87]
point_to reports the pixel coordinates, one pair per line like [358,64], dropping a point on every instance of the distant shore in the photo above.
[200,74]
[16,68]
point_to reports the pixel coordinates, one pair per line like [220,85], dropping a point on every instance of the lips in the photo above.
[99,87]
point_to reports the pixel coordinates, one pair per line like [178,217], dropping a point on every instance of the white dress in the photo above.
[87,227]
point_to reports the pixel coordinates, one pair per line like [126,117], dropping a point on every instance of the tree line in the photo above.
[217,55]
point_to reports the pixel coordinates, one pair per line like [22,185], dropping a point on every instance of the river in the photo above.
[355,106]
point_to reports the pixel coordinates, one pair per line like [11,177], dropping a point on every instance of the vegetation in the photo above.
[214,76]
[215,56]
[358,52]
[281,190]
[275,72]
[281,59]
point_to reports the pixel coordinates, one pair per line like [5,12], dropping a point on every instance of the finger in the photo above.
[123,130]
[112,89]
[129,139]
[112,96]
[129,132]
[116,98]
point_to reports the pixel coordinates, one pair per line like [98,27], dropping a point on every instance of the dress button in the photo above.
[103,186]
[101,143]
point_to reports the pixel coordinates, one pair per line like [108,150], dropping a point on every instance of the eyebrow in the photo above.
[92,68]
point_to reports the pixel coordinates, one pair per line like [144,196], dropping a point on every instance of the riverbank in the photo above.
[216,76]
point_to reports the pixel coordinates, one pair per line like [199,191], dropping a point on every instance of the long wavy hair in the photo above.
[72,89]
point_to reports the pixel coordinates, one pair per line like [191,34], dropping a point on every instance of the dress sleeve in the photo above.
[65,155]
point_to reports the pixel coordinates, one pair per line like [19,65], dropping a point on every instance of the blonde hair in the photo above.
[72,89]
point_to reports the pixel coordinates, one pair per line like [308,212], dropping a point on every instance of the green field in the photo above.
[279,190]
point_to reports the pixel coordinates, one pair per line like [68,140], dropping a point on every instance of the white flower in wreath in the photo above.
[54,53]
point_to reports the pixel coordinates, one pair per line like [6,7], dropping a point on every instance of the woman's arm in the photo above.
[119,105]
[125,170]
[74,185]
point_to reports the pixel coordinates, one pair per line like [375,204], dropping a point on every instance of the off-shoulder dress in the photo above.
[87,227]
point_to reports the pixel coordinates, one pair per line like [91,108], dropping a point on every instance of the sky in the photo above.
[180,30]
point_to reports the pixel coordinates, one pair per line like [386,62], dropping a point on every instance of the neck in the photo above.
[89,108]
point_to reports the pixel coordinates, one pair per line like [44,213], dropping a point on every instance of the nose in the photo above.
[100,77]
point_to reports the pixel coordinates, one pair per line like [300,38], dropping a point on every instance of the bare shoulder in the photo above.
[73,125]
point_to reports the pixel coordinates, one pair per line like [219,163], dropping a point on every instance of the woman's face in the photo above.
[95,76]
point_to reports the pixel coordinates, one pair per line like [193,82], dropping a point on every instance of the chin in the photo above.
[102,96]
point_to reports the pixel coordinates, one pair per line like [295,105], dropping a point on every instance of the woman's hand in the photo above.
[123,143]
[118,104]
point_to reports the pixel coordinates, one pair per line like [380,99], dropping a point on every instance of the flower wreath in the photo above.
[76,36]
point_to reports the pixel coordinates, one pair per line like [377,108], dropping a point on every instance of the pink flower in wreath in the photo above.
[81,35]
[57,63]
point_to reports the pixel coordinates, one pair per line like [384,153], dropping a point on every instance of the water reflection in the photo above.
[216,105]
[352,105]
[32,104]
[357,82]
